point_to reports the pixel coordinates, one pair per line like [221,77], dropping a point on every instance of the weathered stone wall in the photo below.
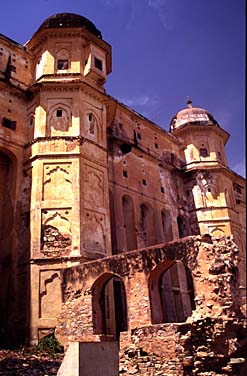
[206,347]
[214,272]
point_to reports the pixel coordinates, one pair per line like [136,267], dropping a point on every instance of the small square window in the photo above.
[10,124]
[62,64]
[98,63]
[203,152]
[59,113]
[125,173]
[144,182]
[156,146]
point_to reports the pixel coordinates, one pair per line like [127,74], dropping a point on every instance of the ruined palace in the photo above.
[111,226]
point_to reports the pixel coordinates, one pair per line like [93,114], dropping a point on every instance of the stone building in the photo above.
[83,178]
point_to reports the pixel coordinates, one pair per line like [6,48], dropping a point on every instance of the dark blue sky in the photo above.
[163,51]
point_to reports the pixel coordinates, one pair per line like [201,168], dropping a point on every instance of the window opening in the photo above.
[125,173]
[144,182]
[203,152]
[92,122]
[182,226]
[176,292]
[62,64]
[98,63]
[125,148]
[110,307]
[10,124]
[162,190]
[59,113]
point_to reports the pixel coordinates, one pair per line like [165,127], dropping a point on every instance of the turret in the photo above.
[202,136]
[69,47]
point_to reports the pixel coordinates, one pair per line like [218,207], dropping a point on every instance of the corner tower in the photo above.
[212,188]
[66,157]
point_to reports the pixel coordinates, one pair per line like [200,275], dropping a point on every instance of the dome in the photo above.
[192,116]
[64,20]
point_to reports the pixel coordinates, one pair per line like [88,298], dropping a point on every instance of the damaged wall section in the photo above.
[207,339]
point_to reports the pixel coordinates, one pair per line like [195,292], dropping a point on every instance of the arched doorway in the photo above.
[171,292]
[109,306]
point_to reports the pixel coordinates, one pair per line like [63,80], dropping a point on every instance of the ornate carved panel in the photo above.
[56,234]
[216,231]
[50,294]
[59,117]
[57,184]
[93,187]
[93,235]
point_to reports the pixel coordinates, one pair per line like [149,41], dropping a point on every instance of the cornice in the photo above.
[76,85]
[219,167]
[79,139]
[189,129]
[13,89]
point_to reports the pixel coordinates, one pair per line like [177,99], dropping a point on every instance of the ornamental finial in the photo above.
[189,102]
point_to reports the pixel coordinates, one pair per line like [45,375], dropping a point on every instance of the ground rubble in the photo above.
[28,362]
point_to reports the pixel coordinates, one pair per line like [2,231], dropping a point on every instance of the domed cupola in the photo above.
[69,45]
[191,116]
[69,20]
[201,135]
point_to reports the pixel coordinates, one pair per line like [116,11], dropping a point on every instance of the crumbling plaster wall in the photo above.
[214,271]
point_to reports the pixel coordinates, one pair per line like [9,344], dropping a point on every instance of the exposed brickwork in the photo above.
[212,335]
[204,347]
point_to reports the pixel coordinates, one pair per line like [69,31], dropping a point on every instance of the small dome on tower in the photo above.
[192,116]
[65,20]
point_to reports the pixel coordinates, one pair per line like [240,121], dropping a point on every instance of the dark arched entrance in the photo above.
[171,292]
[109,306]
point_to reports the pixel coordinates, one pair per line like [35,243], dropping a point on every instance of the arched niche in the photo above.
[113,224]
[171,292]
[8,165]
[148,229]
[183,228]
[109,305]
[129,222]
[166,225]
[58,120]
[92,126]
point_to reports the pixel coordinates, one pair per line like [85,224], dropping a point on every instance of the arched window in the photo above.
[59,120]
[129,222]
[171,292]
[6,199]
[109,306]
[148,225]
[182,226]
[63,60]
[166,225]
[92,127]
